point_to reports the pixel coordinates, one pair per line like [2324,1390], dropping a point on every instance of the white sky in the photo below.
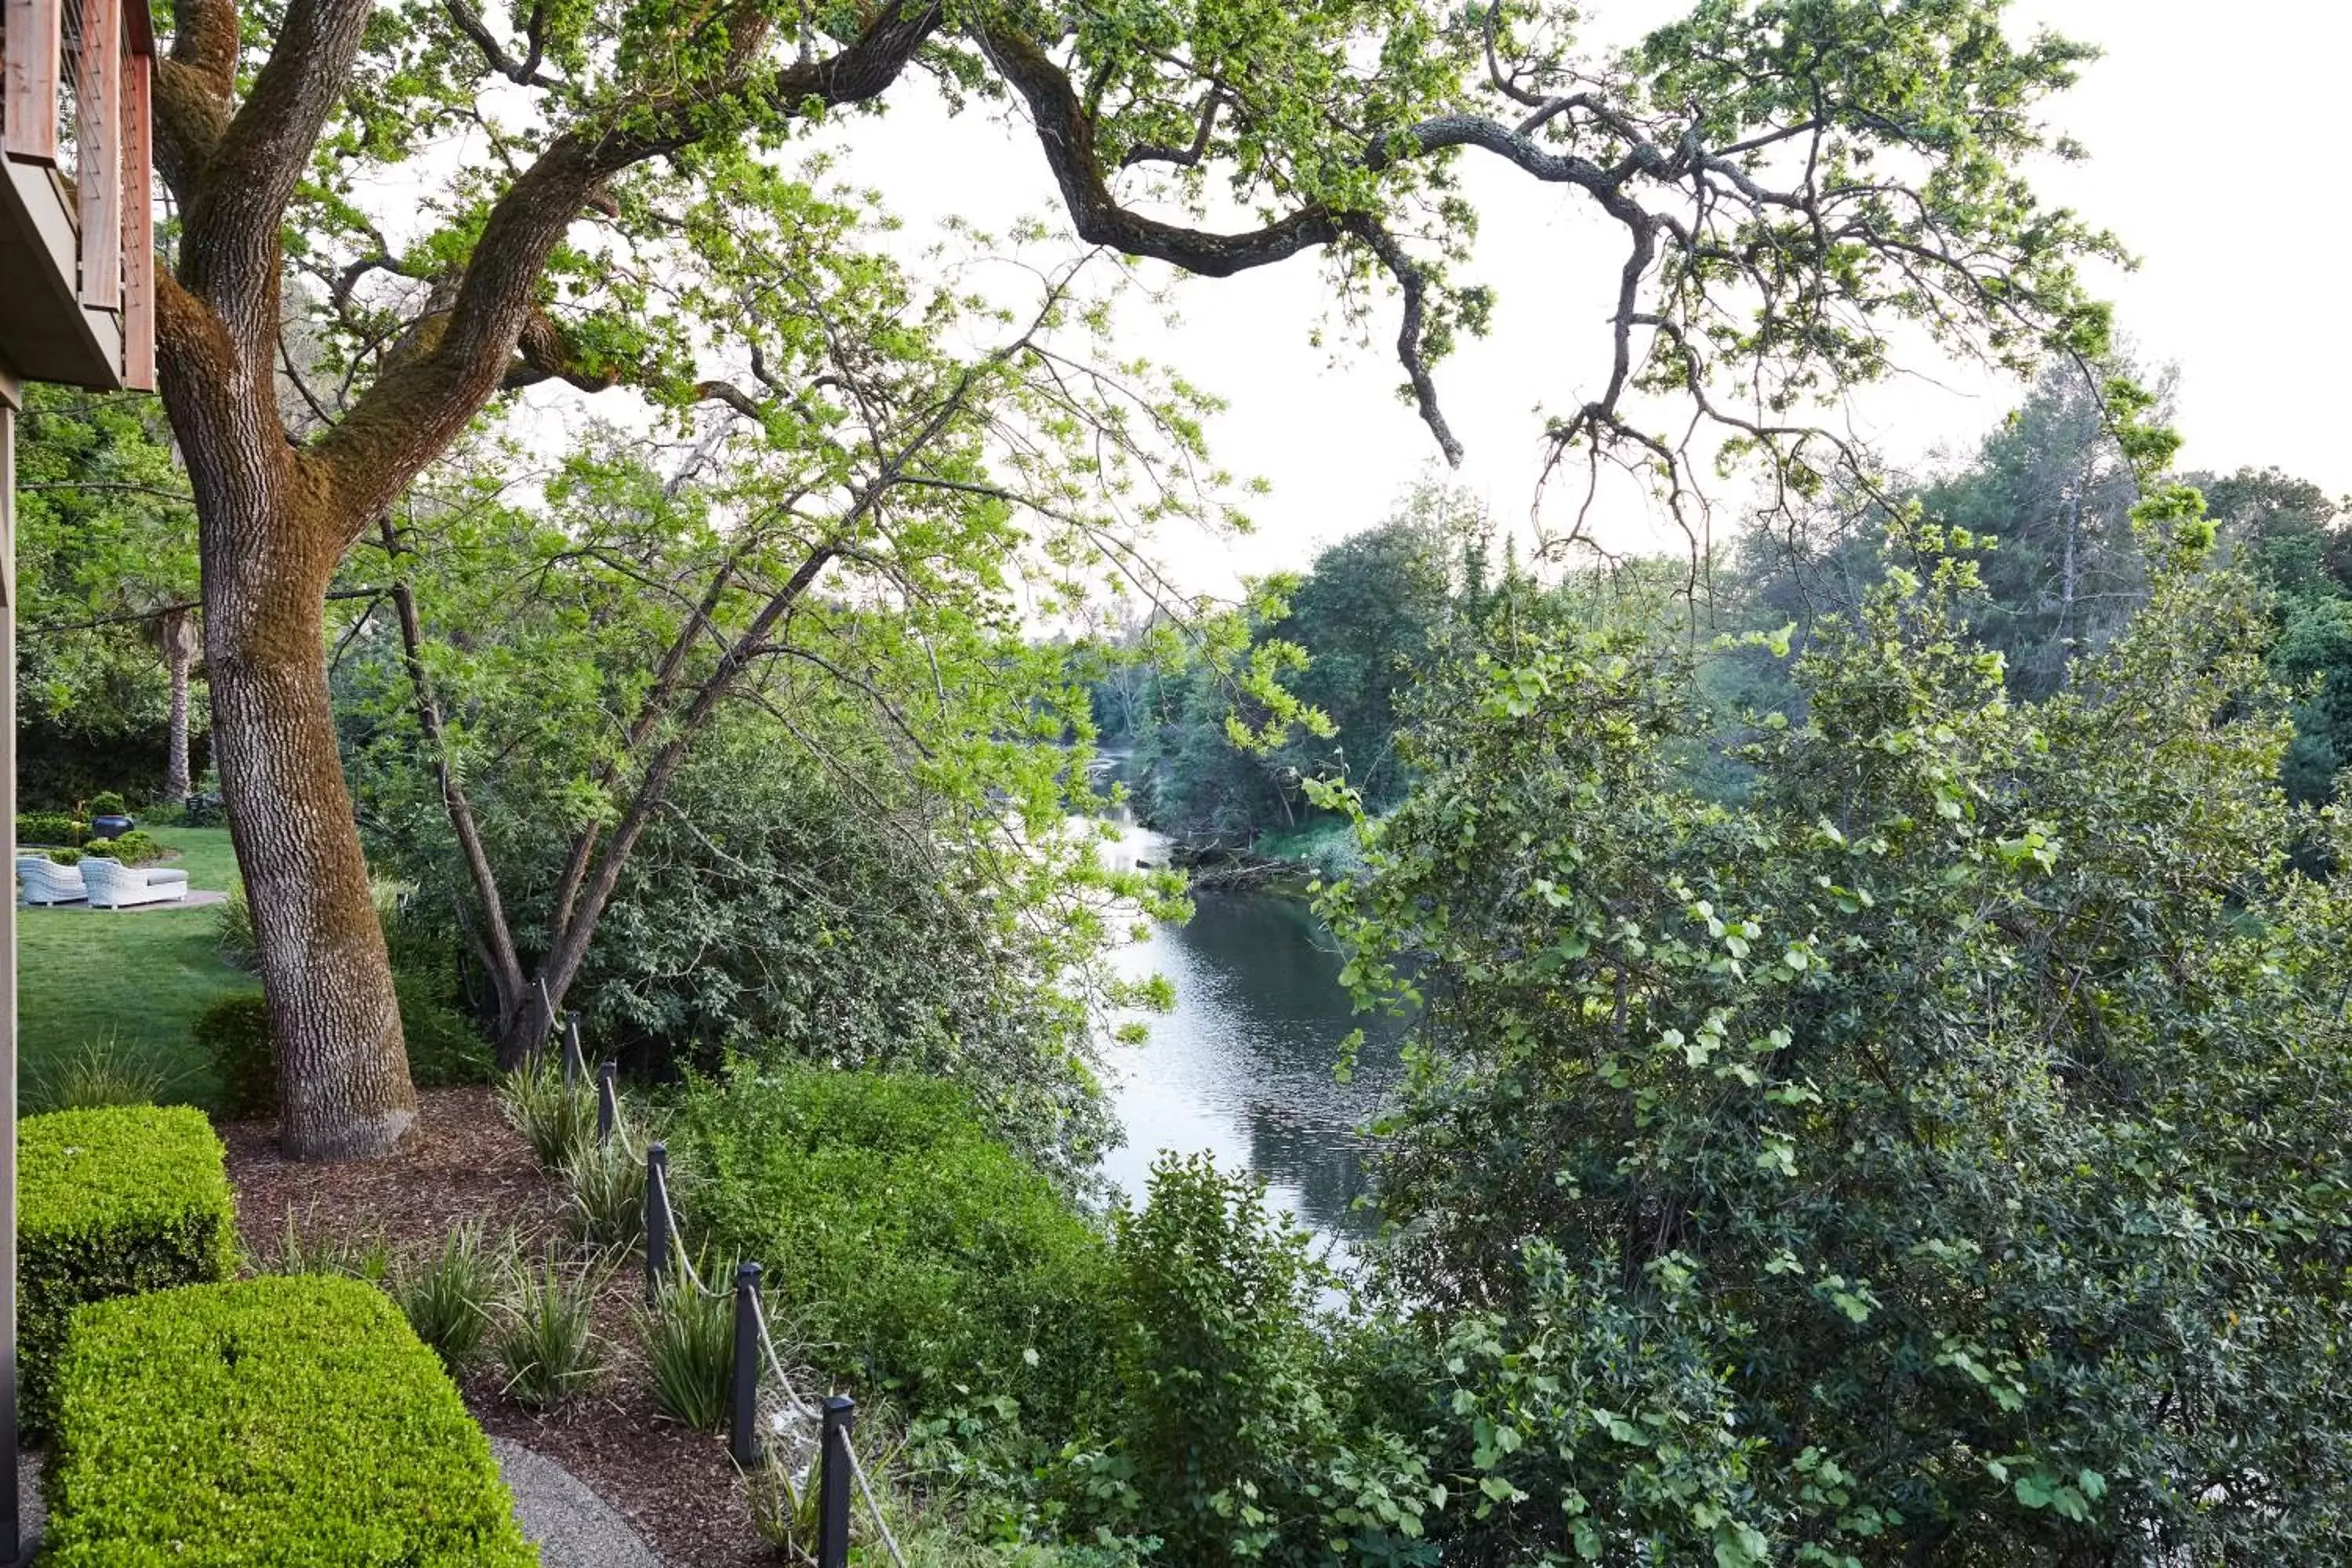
[2206,129]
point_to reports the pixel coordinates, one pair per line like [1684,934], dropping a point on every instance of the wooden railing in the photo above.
[73,100]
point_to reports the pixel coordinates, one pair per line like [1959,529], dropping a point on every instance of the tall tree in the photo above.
[2053,490]
[2290,534]
[1780,182]
[107,562]
[592,643]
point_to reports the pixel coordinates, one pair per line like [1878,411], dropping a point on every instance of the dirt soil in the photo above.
[463,1163]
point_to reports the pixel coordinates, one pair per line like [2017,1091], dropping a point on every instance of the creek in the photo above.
[1243,1066]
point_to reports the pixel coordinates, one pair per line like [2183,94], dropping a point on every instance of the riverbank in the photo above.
[1284,863]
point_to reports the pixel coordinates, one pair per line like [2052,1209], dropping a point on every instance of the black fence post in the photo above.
[657,1218]
[834,1483]
[607,1099]
[742,1437]
[574,1062]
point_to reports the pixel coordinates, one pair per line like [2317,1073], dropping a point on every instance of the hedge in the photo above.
[53,827]
[111,1202]
[272,1422]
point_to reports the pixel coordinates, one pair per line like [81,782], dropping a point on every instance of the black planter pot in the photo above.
[111,826]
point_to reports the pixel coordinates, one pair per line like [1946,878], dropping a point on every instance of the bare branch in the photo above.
[523,72]
[1182,157]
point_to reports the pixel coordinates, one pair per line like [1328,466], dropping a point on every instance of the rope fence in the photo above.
[839,1467]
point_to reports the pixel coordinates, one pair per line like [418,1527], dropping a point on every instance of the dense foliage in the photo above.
[106,562]
[113,1202]
[1240,1427]
[663,745]
[275,1420]
[1931,1157]
[902,1243]
[59,827]
[1176,1387]
[1219,760]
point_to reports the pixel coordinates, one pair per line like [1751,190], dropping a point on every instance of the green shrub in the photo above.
[65,856]
[270,1421]
[108,803]
[447,1296]
[547,1343]
[1232,1385]
[690,1340]
[445,1049]
[99,1074]
[556,1118]
[901,1241]
[48,828]
[232,1033]
[136,847]
[113,1202]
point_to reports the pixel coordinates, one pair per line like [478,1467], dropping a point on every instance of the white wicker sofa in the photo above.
[114,886]
[46,882]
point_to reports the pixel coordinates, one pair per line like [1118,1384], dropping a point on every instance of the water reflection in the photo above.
[1242,1067]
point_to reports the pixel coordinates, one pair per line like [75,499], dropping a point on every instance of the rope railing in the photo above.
[839,1467]
[865,1490]
[793,1399]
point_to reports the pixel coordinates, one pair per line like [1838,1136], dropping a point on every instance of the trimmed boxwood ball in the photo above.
[111,1202]
[275,1421]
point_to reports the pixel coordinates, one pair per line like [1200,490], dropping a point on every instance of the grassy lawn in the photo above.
[135,978]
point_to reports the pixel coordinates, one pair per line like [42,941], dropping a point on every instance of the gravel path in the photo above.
[573,1526]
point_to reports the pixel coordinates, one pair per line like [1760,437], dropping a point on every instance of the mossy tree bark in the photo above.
[269,536]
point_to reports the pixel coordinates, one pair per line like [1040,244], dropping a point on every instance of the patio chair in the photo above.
[115,886]
[46,882]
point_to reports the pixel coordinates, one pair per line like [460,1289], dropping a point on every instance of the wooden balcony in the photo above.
[76,218]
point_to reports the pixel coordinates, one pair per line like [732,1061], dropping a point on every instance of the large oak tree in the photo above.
[1784,184]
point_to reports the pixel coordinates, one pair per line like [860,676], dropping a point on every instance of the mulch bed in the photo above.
[463,1163]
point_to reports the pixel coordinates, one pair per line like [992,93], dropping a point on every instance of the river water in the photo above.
[1243,1066]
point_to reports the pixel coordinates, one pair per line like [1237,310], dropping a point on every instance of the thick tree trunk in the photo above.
[268,548]
[269,535]
[343,1071]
